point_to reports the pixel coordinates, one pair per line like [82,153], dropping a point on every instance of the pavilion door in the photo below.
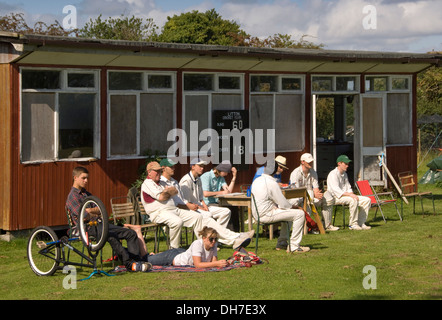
[373,137]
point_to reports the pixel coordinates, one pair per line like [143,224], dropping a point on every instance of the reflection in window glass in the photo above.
[322,84]
[125,81]
[376,84]
[345,83]
[76,125]
[159,81]
[81,80]
[40,79]
[291,84]
[229,83]
[399,83]
[198,82]
[264,83]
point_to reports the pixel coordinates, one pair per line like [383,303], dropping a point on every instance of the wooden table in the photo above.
[242,200]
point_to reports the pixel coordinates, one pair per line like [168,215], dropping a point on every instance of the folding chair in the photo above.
[366,190]
[258,223]
[409,190]
[343,214]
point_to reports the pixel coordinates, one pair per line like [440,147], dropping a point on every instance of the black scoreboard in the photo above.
[235,149]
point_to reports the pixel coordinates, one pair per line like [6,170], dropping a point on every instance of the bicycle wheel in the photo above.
[43,251]
[93,228]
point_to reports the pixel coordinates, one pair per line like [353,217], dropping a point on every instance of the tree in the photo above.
[276,41]
[201,28]
[121,28]
[15,22]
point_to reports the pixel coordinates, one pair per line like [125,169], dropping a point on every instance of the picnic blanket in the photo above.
[191,269]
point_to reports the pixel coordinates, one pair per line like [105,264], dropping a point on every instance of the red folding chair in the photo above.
[365,189]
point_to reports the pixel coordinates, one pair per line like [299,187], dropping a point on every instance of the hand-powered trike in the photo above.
[46,252]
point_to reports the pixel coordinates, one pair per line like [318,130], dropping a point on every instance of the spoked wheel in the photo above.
[93,223]
[43,251]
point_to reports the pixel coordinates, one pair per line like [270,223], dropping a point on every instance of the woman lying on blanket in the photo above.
[202,253]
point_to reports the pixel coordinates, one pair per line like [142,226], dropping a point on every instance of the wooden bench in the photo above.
[123,210]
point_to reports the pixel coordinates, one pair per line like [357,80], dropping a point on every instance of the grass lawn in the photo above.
[406,256]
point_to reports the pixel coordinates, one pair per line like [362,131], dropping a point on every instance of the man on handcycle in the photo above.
[130,257]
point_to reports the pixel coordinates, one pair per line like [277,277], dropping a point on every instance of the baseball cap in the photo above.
[307,157]
[167,163]
[224,166]
[343,158]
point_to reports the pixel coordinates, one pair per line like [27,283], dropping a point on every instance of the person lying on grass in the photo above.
[202,253]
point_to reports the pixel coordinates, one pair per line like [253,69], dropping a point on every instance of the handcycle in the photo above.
[47,253]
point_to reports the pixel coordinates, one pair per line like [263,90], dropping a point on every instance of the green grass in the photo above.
[406,256]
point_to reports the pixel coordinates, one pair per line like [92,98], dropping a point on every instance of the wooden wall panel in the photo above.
[5,145]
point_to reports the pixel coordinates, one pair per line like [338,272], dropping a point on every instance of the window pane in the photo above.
[123,125]
[264,84]
[81,80]
[376,84]
[125,81]
[398,118]
[322,84]
[399,83]
[291,84]
[198,82]
[196,109]
[38,110]
[40,79]
[156,110]
[226,102]
[229,83]
[159,81]
[289,134]
[345,83]
[76,125]
[261,117]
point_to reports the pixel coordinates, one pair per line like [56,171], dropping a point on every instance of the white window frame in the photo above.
[209,93]
[282,92]
[63,89]
[144,89]
[356,90]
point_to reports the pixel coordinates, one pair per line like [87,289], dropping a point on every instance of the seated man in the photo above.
[192,190]
[339,192]
[226,236]
[158,202]
[130,257]
[214,182]
[274,207]
[282,165]
[306,176]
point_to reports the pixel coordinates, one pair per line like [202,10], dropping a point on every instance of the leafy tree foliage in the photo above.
[15,22]
[201,28]
[121,28]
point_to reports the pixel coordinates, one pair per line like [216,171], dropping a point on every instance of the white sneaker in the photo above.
[332,228]
[355,227]
[365,227]
[300,250]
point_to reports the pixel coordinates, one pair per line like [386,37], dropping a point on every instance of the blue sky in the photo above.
[375,25]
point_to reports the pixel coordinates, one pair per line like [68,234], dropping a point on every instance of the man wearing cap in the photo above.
[226,236]
[339,192]
[214,182]
[306,176]
[273,207]
[158,202]
[281,163]
[192,190]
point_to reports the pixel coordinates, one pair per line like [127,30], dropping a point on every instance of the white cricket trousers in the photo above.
[175,219]
[294,217]
[358,209]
